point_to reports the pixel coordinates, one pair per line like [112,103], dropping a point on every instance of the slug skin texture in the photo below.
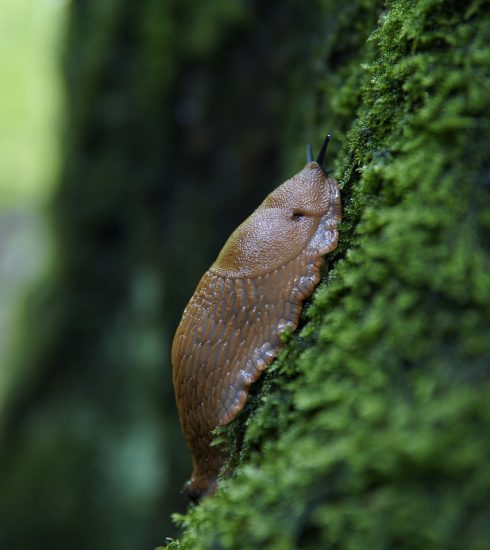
[230,330]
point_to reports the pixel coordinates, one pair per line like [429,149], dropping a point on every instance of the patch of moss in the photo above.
[372,430]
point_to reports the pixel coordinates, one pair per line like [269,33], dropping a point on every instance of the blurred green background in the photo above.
[120,125]
[31,104]
[30,113]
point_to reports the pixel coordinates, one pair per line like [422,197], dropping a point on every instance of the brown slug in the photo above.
[230,330]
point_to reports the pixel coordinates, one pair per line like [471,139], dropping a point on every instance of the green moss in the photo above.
[372,430]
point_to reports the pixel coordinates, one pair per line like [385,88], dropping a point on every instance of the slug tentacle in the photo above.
[231,329]
[323,150]
[309,153]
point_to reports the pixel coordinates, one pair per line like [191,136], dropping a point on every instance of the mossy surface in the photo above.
[372,429]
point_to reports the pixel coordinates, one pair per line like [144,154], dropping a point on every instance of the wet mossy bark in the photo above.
[372,430]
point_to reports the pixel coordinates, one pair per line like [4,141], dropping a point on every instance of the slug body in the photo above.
[230,330]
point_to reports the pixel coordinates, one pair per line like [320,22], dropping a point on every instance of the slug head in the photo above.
[285,224]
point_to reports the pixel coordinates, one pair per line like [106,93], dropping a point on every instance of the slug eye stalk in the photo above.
[309,153]
[323,150]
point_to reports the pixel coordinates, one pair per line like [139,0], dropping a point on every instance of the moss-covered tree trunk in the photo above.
[372,430]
